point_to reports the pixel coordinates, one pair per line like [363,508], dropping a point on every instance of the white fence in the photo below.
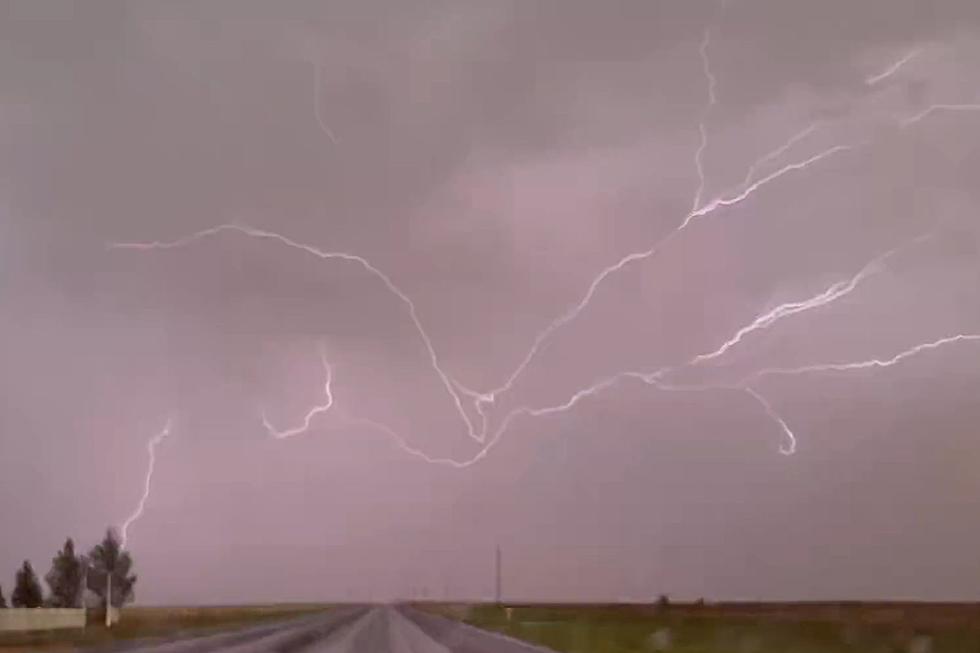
[41,618]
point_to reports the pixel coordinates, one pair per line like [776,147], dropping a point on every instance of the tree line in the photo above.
[105,569]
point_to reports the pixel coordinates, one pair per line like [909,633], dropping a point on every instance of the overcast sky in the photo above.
[493,158]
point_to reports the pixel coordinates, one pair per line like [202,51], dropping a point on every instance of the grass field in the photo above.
[745,628]
[139,622]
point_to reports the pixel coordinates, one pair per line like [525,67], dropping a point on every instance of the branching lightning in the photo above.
[310,414]
[831,294]
[151,448]
[635,257]
[776,153]
[656,378]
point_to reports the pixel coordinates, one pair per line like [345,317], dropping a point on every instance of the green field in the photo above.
[759,628]
[151,622]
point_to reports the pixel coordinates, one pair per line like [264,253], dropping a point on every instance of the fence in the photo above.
[41,618]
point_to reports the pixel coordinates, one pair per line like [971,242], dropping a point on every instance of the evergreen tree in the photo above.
[108,559]
[65,578]
[3,601]
[27,589]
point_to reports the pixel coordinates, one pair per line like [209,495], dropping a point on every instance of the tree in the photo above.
[3,601]
[108,560]
[27,590]
[65,578]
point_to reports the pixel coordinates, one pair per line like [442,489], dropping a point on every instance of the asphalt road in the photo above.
[380,629]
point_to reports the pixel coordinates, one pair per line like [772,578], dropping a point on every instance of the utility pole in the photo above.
[497,588]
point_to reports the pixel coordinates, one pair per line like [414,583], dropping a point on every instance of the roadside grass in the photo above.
[623,629]
[150,622]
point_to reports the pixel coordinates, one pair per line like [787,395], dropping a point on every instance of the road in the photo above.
[378,629]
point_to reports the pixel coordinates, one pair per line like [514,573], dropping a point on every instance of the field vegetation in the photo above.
[734,628]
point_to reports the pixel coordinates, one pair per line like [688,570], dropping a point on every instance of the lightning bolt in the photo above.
[702,124]
[831,294]
[316,104]
[789,448]
[892,69]
[310,414]
[151,448]
[938,107]
[870,363]
[776,153]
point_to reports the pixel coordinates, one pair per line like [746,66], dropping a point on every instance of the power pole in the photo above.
[498,591]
